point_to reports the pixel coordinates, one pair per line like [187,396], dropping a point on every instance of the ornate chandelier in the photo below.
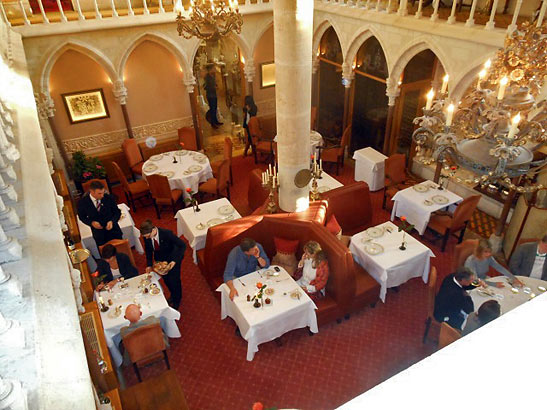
[499,125]
[208,19]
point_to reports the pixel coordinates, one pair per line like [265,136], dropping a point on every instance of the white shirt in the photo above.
[308,274]
[115,273]
[537,269]
[95,201]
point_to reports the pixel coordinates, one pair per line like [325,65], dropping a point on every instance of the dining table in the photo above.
[377,250]
[369,167]
[194,225]
[418,202]
[326,183]
[127,225]
[289,308]
[131,291]
[183,168]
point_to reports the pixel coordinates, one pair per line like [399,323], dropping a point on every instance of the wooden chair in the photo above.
[336,153]
[85,185]
[135,190]
[162,194]
[260,145]
[187,136]
[133,156]
[313,118]
[122,246]
[145,345]
[431,291]
[462,252]
[445,225]
[396,178]
[447,335]
[217,186]
[228,153]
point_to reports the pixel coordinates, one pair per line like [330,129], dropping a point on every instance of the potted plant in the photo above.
[85,168]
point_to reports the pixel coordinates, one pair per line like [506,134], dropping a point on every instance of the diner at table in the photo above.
[312,271]
[530,259]
[114,265]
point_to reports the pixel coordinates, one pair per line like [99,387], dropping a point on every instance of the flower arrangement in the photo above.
[405,227]
[259,295]
[85,168]
[192,200]
[96,279]
[259,406]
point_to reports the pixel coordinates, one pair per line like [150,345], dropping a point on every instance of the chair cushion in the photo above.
[138,187]
[209,186]
[285,245]
[176,194]
[334,227]
[440,223]
[137,169]
[285,256]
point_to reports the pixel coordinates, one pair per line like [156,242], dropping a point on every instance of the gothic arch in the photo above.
[358,40]
[238,39]
[318,35]
[258,37]
[81,47]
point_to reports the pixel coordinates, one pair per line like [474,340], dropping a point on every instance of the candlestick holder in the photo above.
[315,174]
[272,185]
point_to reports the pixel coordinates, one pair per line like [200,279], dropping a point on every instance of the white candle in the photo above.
[449,115]
[514,125]
[101,300]
[482,74]
[429,101]
[445,84]
[270,168]
[503,84]
[263,178]
[487,64]
[321,164]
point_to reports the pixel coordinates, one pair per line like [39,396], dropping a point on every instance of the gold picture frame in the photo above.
[267,75]
[85,105]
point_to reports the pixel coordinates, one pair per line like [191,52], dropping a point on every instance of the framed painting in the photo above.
[267,75]
[85,105]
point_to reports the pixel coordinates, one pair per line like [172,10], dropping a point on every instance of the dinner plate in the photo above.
[428,202]
[485,293]
[155,291]
[200,226]
[541,288]
[295,294]
[113,314]
[145,282]
[323,188]
[269,291]
[225,209]
[168,174]
[156,157]
[375,232]
[150,168]
[195,168]
[199,157]
[439,199]
[186,172]
[420,188]
[214,221]
[182,152]
[373,248]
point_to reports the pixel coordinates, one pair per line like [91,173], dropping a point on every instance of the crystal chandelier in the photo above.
[499,125]
[208,19]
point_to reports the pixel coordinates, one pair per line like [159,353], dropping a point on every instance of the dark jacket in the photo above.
[523,260]
[252,113]
[109,210]
[127,270]
[171,248]
[210,86]
[450,301]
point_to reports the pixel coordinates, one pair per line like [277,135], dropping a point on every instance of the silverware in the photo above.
[281,280]
[241,282]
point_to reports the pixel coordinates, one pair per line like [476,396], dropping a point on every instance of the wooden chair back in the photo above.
[431,291]
[187,136]
[160,189]
[254,129]
[395,169]
[345,137]
[144,343]
[85,185]
[228,149]
[223,176]
[121,177]
[462,252]
[447,335]
[122,246]
[313,117]
[464,211]
[132,152]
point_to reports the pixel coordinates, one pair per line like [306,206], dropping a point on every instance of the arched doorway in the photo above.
[331,90]
[369,101]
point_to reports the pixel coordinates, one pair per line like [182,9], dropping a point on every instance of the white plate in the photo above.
[168,174]
[373,248]
[199,157]
[200,226]
[113,313]
[375,232]
[439,199]
[155,291]
[156,157]
[214,221]
[225,210]
[541,288]
[420,188]
[150,168]
[182,152]
[427,202]
[187,172]
[195,168]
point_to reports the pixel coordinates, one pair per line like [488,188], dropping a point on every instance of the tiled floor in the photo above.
[319,372]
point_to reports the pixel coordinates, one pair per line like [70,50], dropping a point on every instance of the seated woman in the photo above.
[481,261]
[114,265]
[313,270]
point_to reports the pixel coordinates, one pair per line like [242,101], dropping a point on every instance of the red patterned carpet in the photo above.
[319,372]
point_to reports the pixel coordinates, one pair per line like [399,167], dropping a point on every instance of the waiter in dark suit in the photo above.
[162,245]
[211,94]
[98,209]
[453,304]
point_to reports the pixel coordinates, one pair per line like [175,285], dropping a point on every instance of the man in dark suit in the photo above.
[98,209]
[452,303]
[162,245]
[530,259]
[211,94]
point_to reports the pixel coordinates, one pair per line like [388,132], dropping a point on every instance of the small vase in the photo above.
[403,244]
[197,207]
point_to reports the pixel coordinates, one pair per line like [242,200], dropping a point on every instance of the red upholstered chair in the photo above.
[448,335]
[352,207]
[228,148]
[187,136]
[85,185]
[133,156]
[135,190]
[260,144]
[431,291]
[449,224]
[396,177]
[336,154]
[162,194]
[122,246]
[218,186]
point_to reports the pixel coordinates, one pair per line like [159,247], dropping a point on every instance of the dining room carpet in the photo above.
[305,372]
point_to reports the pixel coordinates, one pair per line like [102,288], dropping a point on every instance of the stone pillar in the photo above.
[293,32]
[392,93]
[120,93]
[190,82]
[249,72]
[347,78]
[315,83]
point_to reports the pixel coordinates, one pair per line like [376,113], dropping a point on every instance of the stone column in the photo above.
[315,83]
[190,82]
[120,93]
[392,93]
[293,32]
[348,76]
[249,72]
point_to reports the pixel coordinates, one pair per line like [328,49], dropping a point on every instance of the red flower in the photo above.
[258,406]
[181,144]
[453,167]
[99,167]
[95,274]
[188,190]
[311,156]
[403,218]
[259,285]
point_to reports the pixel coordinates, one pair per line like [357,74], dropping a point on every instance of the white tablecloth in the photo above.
[369,167]
[315,140]
[180,180]
[326,183]
[393,267]
[410,203]
[188,220]
[127,226]
[151,305]
[506,298]
[260,325]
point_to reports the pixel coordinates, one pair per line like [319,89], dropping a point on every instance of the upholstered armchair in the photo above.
[336,153]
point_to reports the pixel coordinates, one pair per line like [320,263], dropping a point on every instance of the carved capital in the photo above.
[120,92]
[189,82]
[314,65]
[249,70]
[45,105]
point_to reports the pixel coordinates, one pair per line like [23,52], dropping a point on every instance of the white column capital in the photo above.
[314,64]
[120,92]
[189,82]
[45,105]
[249,70]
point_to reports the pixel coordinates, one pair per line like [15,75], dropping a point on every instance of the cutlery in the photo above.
[241,282]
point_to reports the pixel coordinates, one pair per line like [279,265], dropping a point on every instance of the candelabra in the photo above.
[316,172]
[270,181]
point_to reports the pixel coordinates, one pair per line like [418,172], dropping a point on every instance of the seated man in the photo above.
[488,311]
[530,259]
[113,266]
[243,259]
[452,303]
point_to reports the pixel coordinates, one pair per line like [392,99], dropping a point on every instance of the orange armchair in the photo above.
[162,194]
[336,154]
[259,143]
[220,185]
[396,177]
[187,136]
[133,156]
[228,153]
[134,190]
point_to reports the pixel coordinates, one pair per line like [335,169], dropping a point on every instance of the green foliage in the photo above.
[86,168]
